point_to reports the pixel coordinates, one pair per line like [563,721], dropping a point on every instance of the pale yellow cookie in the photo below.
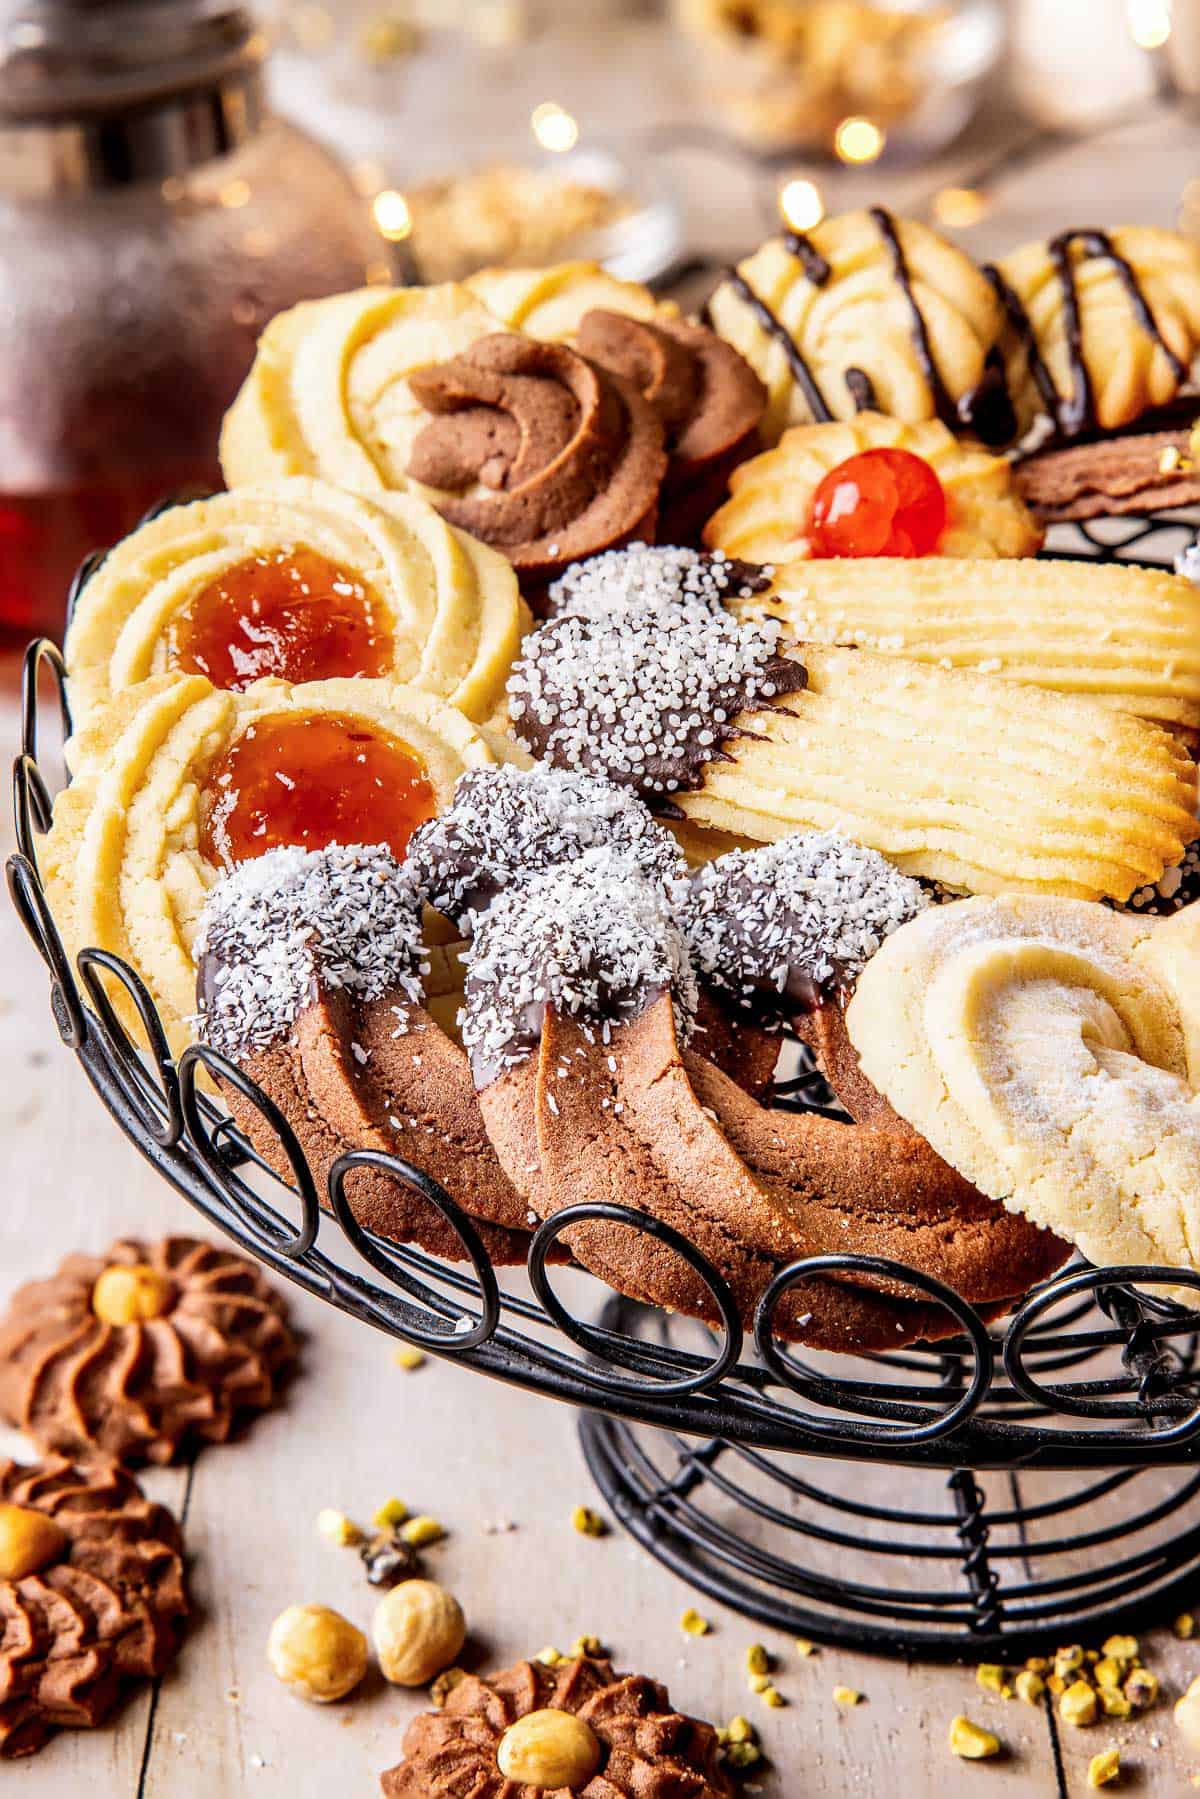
[549,303]
[1127,637]
[860,316]
[1130,365]
[769,512]
[124,861]
[328,394]
[1047,1048]
[986,785]
[444,611]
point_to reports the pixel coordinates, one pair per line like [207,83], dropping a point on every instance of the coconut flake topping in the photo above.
[593,938]
[658,579]
[348,916]
[645,701]
[798,915]
[509,825]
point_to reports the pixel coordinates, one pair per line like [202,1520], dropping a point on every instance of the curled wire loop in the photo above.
[262,1221]
[464,1333]
[818,1389]
[155,1102]
[601,1346]
[1143,1327]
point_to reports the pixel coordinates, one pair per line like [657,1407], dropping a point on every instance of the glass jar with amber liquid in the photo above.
[154,215]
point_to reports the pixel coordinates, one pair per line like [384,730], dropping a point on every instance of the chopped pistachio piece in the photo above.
[1124,1648]
[1184,1626]
[1038,1664]
[739,1730]
[1029,1686]
[743,1755]
[390,1513]
[757,1660]
[693,1624]
[1068,1660]
[804,1647]
[335,1527]
[1104,1768]
[1078,1705]
[773,1697]
[847,1696]
[1114,1704]
[991,1676]
[1108,1671]
[758,1683]
[408,1358]
[1141,1689]
[419,1532]
[591,1646]
[971,1741]
[550,1657]
[587,1522]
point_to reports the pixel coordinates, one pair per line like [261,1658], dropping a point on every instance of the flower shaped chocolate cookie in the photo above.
[142,1353]
[91,1595]
[578,1730]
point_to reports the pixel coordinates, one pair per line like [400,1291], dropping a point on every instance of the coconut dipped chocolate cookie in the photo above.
[698,712]
[302,581]
[176,781]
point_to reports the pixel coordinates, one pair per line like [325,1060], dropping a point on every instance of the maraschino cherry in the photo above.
[879,503]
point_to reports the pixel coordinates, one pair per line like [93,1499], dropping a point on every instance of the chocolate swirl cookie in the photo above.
[92,1596]
[617,1736]
[537,451]
[708,397]
[143,1353]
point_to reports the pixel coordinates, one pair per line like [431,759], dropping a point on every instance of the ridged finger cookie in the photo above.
[867,311]
[768,516]
[1128,637]
[983,784]
[300,580]
[1050,1050]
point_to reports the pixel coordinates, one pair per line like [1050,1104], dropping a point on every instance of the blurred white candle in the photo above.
[1075,62]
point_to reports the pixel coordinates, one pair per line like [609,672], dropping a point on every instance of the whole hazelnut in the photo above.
[418,1629]
[317,1652]
[131,1293]
[549,1749]
[29,1541]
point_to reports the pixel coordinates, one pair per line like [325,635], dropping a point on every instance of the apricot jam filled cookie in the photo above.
[176,780]
[299,580]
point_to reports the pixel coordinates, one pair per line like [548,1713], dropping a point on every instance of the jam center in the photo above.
[313,779]
[291,613]
[879,503]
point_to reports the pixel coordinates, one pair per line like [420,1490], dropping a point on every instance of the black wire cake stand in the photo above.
[1049,1467]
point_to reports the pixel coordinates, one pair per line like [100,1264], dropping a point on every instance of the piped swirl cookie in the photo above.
[579,1730]
[1124,636]
[826,491]
[867,311]
[142,1353]
[92,1596]
[581,1004]
[312,980]
[694,710]
[550,303]
[1050,1050]
[302,581]
[176,780]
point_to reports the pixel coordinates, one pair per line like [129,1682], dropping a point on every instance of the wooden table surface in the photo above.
[356,1429]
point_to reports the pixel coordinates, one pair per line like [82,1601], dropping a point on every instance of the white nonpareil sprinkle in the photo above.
[508,825]
[645,579]
[347,915]
[806,911]
[642,702]
[594,939]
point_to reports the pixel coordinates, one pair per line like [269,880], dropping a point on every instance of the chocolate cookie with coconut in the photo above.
[717,720]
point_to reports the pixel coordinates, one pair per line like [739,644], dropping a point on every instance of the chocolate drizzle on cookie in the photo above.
[776,929]
[507,826]
[593,938]
[1075,412]
[797,362]
[646,707]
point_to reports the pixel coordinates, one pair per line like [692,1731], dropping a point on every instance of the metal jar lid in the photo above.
[96,94]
